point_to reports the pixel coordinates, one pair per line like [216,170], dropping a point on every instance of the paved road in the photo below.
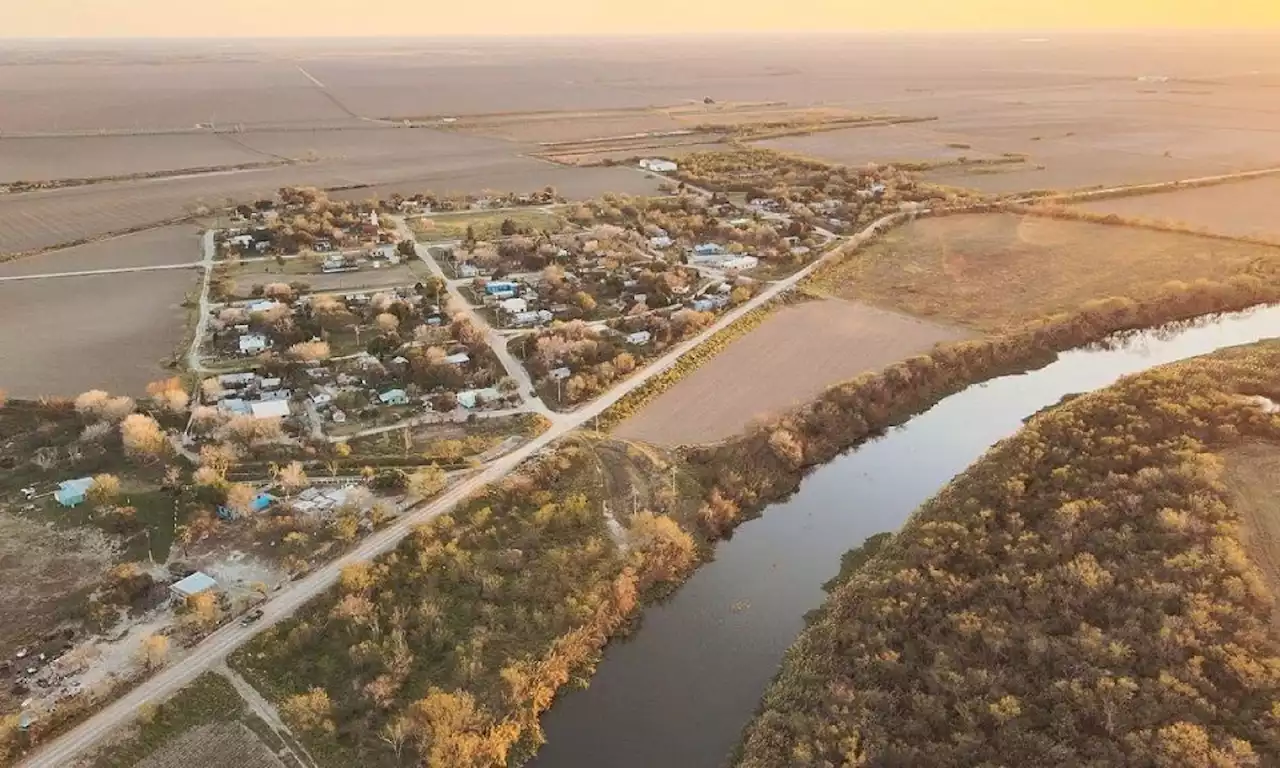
[215,648]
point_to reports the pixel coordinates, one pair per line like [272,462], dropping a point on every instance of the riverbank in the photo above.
[1079,595]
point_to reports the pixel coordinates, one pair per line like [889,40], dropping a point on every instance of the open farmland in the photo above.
[1240,209]
[177,244]
[915,142]
[86,157]
[66,335]
[795,354]
[994,271]
[216,745]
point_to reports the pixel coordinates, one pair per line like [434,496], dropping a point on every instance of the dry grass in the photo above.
[1253,474]
[216,745]
[789,359]
[263,273]
[993,272]
[486,225]
[178,244]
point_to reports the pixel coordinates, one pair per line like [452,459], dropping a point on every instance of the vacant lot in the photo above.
[1253,474]
[789,359]
[1242,209]
[178,244]
[216,745]
[63,336]
[268,272]
[486,226]
[993,271]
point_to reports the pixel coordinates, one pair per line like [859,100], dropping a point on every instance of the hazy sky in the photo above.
[280,18]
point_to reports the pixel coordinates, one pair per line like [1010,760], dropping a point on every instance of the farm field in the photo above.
[994,271]
[795,354]
[85,157]
[177,244]
[856,146]
[66,335]
[1241,209]
[516,175]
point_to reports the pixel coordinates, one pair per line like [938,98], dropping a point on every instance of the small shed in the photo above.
[462,358]
[194,584]
[72,493]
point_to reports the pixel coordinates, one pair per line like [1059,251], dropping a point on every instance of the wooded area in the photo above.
[1078,597]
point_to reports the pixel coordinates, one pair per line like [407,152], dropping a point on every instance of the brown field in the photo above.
[66,335]
[177,244]
[1241,209]
[44,159]
[1253,475]
[993,271]
[216,745]
[789,359]
[262,273]
[917,142]
[44,575]
[521,175]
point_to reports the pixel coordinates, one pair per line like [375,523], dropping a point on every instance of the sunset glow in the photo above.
[249,18]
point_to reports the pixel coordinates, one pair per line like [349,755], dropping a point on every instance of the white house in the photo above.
[264,305]
[639,338]
[194,584]
[321,400]
[514,306]
[253,344]
[474,398]
[658,166]
[242,241]
[270,409]
[741,262]
[560,374]
[462,358]
[660,243]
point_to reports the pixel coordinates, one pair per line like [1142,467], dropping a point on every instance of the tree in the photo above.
[154,650]
[584,301]
[445,402]
[394,734]
[427,481]
[92,402]
[169,394]
[666,549]
[240,498]
[740,295]
[310,351]
[118,408]
[388,323]
[509,228]
[203,609]
[4,398]
[292,478]
[142,437]
[450,730]
[310,711]
[105,490]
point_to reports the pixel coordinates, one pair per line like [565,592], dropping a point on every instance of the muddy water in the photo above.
[680,690]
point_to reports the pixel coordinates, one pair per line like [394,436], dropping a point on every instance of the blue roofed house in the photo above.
[72,493]
[260,503]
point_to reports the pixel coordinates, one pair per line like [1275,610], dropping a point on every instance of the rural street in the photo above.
[194,362]
[214,649]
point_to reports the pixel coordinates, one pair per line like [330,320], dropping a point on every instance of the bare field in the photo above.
[86,157]
[1241,209]
[887,143]
[792,357]
[522,175]
[1253,475]
[177,244]
[216,745]
[63,336]
[44,575]
[993,271]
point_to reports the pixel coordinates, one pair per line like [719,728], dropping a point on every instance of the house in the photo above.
[501,286]
[322,245]
[259,504]
[338,264]
[462,358]
[72,493]
[514,306]
[660,243]
[468,271]
[321,400]
[560,374]
[525,318]
[191,586]
[740,263]
[264,305]
[273,394]
[639,338]
[801,250]
[708,249]
[314,501]
[710,303]
[236,380]
[394,397]
[387,252]
[739,222]
[475,398]
[253,344]
[270,409]
[339,417]
[235,406]
[271,383]
[657,165]
[242,241]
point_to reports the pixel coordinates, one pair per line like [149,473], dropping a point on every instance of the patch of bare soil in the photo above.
[44,573]
[792,357]
[216,745]
[1253,474]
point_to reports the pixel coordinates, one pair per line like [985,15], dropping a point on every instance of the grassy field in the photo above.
[788,360]
[1253,475]
[487,225]
[992,272]
[1241,209]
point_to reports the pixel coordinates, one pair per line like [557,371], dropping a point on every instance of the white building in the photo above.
[253,344]
[514,306]
[192,585]
[658,166]
[270,409]
[639,338]
[740,263]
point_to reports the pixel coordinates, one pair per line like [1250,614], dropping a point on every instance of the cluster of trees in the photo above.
[450,647]
[1078,597]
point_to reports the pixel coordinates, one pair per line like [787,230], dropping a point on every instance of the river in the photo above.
[679,691]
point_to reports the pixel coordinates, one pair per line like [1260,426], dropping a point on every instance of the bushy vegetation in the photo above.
[1078,597]
[450,647]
